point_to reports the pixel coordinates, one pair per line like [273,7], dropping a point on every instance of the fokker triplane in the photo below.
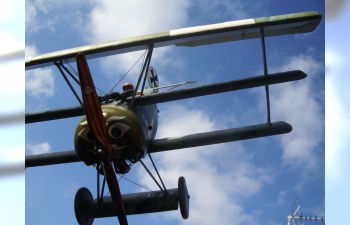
[117,132]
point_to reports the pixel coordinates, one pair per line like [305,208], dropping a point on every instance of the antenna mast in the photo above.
[297,214]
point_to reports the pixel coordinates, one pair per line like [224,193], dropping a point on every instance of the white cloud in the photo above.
[31,50]
[281,196]
[226,183]
[295,103]
[39,148]
[38,14]
[226,9]
[111,20]
[39,82]
[30,17]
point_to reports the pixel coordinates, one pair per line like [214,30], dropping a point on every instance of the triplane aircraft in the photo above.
[122,130]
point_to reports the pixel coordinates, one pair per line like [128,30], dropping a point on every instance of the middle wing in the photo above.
[177,94]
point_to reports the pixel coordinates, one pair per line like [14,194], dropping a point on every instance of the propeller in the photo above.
[96,123]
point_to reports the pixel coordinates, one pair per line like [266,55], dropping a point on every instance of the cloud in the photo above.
[46,14]
[31,50]
[225,10]
[222,172]
[39,148]
[30,17]
[297,104]
[39,82]
[281,196]
[111,20]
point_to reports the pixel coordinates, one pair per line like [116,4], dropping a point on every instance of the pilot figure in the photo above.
[128,90]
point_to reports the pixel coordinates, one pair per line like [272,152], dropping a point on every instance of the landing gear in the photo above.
[81,205]
[86,208]
[183,198]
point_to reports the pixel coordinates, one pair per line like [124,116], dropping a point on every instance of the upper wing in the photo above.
[190,37]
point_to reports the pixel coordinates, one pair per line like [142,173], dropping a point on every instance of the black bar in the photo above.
[159,145]
[221,136]
[266,74]
[219,87]
[54,114]
[51,158]
[177,94]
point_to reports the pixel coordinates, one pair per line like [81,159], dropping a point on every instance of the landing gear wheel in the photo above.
[183,198]
[81,203]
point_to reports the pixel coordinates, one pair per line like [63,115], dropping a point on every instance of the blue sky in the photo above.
[248,182]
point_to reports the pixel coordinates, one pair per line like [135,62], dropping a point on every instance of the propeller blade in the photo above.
[97,127]
[92,106]
[114,190]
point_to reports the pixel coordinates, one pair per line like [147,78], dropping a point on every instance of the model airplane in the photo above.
[121,130]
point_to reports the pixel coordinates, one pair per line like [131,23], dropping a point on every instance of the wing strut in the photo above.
[266,74]
[154,165]
[149,172]
[69,84]
[147,62]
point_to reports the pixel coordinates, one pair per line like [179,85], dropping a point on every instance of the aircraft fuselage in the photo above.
[129,132]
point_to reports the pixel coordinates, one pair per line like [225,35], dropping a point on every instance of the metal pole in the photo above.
[149,61]
[157,173]
[71,87]
[103,187]
[65,68]
[266,74]
[152,176]
[138,82]
[98,185]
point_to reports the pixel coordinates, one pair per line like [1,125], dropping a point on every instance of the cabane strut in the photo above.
[266,74]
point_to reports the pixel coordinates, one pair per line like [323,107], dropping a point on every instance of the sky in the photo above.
[248,182]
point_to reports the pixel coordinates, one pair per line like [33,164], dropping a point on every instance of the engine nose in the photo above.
[125,132]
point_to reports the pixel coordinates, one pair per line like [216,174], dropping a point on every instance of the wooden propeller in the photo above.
[103,148]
